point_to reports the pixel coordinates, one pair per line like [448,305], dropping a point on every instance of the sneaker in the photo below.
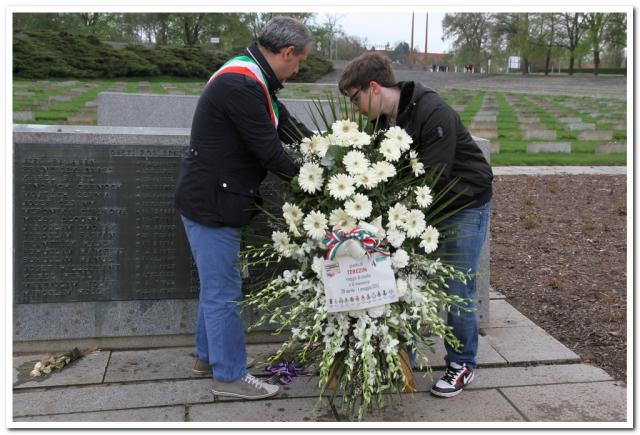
[248,387]
[454,379]
[202,368]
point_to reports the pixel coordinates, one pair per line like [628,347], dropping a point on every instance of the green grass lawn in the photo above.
[512,146]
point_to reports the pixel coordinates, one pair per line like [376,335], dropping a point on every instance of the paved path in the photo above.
[524,376]
[557,170]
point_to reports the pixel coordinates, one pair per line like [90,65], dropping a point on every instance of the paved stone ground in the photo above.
[524,376]
[603,86]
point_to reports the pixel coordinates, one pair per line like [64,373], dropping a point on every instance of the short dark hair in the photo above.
[364,68]
[281,32]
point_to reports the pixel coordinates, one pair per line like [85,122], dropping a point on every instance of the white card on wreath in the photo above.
[358,283]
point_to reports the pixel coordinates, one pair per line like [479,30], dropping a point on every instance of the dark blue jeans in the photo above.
[461,241]
[219,328]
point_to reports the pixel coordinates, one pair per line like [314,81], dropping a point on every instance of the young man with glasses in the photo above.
[440,139]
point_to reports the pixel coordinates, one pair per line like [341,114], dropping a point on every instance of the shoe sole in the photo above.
[241,396]
[209,372]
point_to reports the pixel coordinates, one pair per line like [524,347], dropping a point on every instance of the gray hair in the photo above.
[281,32]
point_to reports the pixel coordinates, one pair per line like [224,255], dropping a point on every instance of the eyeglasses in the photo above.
[354,97]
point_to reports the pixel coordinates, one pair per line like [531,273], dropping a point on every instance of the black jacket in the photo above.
[440,138]
[233,145]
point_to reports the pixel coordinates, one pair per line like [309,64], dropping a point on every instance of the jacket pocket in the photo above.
[236,202]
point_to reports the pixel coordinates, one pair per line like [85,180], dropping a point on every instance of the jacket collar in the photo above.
[410,94]
[272,82]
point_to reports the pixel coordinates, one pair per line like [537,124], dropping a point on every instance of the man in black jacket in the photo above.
[440,140]
[236,138]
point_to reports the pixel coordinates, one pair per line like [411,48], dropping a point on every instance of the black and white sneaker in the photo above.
[454,379]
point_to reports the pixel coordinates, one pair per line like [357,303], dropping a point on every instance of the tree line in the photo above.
[538,38]
[234,30]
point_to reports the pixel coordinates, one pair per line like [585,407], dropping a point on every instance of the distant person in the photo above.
[236,138]
[440,139]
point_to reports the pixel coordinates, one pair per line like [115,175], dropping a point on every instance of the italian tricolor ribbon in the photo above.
[335,239]
[246,66]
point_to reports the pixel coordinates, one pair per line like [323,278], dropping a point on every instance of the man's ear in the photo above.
[287,51]
[375,86]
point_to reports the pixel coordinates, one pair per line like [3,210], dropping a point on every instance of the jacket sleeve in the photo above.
[438,138]
[247,110]
[290,130]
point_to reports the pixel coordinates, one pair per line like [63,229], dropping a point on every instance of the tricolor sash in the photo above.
[246,66]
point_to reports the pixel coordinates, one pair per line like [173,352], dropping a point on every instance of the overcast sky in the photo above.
[380,28]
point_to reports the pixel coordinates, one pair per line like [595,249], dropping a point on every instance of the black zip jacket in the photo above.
[440,139]
[233,145]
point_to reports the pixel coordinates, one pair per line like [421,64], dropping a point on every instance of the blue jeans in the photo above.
[461,241]
[219,327]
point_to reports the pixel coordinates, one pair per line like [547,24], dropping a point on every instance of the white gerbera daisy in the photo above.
[397,215]
[341,220]
[383,170]
[310,177]
[400,137]
[359,206]
[429,239]
[400,259]
[360,139]
[367,179]
[355,162]
[341,186]
[414,223]
[423,196]
[291,213]
[281,241]
[314,145]
[416,165]
[395,237]
[315,224]
[344,128]
[390,150]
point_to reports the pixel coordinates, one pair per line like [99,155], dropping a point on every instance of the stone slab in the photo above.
[157,414]
[528,119]
[570,120]
[539,134]
[20,95]
[581,126]
[485,118]
[56,98]
[538,375]
[595,135]
[597,401]
[531,125]
[504,315]
[489,134]
[142,365]
[495,148]
[482,113]
[472,406]
[90,104]
[174,111]
[23,116]
[528,344]
[611,149]
[55,321]
[171,363]
[482,126]
[458,107]
[111,397]
[263,410]
[550,147]
[494,294]
[89,369]
[487,354]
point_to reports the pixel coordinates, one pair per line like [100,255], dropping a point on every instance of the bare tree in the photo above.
[596,23]
[574,28]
